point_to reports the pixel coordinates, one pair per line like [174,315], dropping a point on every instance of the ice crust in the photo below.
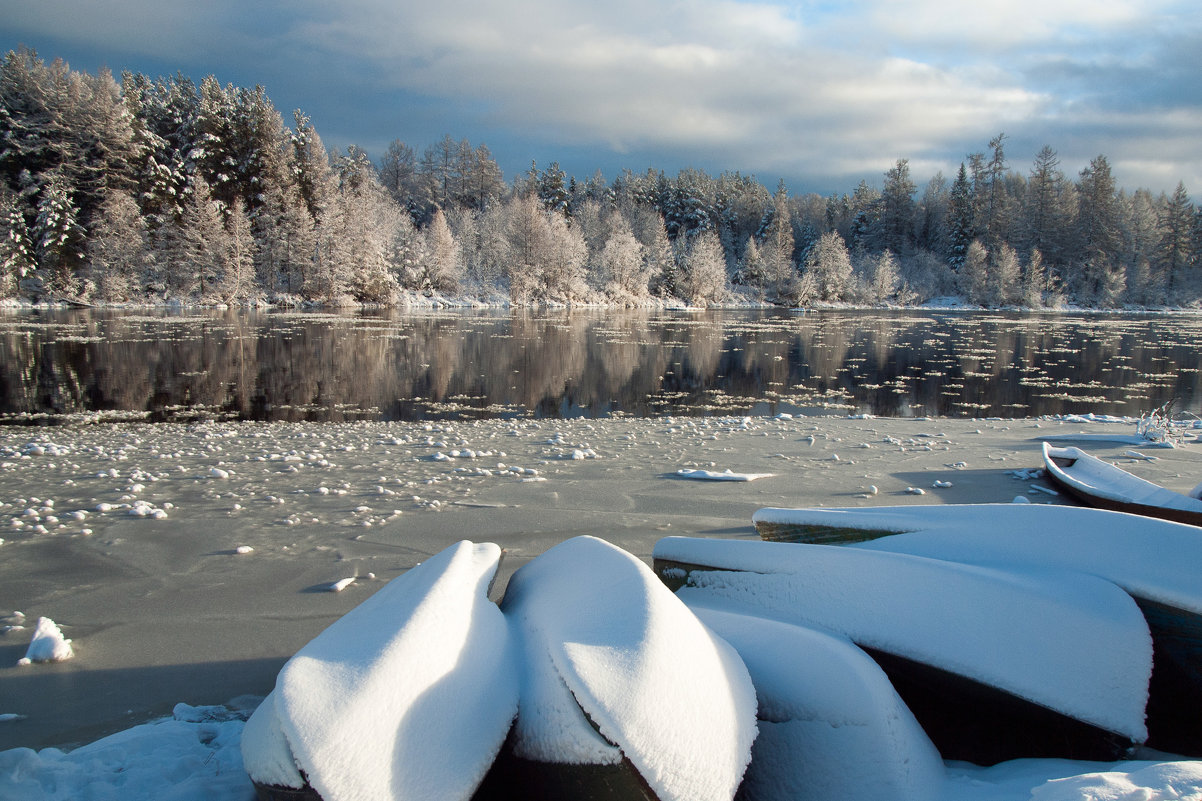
[1071,642]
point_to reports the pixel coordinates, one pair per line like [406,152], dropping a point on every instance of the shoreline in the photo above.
[139,558]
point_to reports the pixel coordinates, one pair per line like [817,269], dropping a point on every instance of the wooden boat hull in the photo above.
[274,792]
[1175,691]
[515,778]
[1059,464]
[812,533]
[972,721]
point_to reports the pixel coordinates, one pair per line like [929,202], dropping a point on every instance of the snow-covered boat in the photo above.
[624,693]
[410,695]
[1099,483]
[831,726]
[994,664]
[1155,561]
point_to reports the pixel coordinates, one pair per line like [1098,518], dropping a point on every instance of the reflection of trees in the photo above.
[330,367]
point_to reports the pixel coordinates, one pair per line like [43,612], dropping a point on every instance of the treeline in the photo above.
[164,190]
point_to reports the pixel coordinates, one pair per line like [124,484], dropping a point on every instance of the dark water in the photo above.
[391,365]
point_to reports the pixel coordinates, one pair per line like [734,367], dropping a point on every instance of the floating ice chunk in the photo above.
[244,549]
[941,484]
[217,472]
[725,475]
[341,584]
[915,491]
[48,644]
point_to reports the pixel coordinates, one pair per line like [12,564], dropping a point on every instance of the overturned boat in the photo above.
[409,695]
[994,664]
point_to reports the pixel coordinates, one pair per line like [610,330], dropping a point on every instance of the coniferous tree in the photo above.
[442,265]
[960,229]
[974,274]
[1173,251]
[59,238]
[17,258]
[118,249]
[237,279]
[776,252]
[828,270]
[1099,274]
[897,208]
[704,276]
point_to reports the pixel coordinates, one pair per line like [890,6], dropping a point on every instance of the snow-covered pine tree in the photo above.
[118,249]
[1173,251]
[828,270]
[59,238]
[16,249]
[704,276]
[974,274]
[960,227]
[442,262]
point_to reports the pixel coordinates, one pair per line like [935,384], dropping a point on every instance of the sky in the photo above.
[821,94]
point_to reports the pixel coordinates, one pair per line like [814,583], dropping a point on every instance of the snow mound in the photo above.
[1067,641]
[167,759]
[600,633]
[1144,782]
[408,696]
[48,644]
[832,728]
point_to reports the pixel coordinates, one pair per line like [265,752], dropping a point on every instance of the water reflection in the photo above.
[396,366]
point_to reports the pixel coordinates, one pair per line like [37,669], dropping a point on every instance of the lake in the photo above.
[182,366]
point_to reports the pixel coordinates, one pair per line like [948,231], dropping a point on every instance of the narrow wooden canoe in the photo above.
[411,694]
[624,693]
[1099,483]
[994,664]
[1156,562]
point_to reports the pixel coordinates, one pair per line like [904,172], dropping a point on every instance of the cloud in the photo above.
[819,90]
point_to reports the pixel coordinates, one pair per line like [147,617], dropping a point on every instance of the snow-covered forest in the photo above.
[161,190]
